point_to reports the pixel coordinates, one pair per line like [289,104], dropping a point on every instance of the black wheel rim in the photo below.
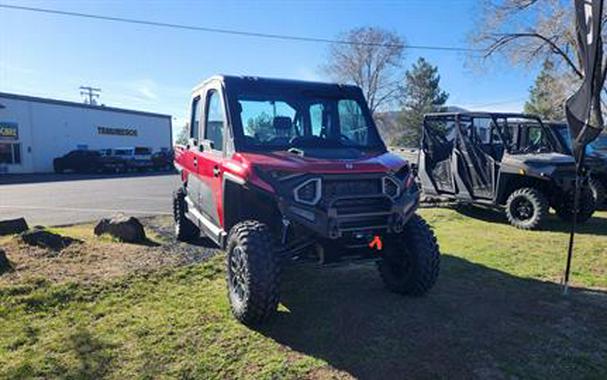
[238,273]
[522,209]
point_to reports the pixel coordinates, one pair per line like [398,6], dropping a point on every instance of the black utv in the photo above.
[487,159]
[596,160]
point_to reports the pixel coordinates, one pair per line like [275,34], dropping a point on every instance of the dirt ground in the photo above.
[98,259]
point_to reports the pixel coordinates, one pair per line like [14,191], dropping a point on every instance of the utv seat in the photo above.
[283,129]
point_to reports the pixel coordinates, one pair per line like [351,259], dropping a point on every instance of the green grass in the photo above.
[496,312]
[484,238]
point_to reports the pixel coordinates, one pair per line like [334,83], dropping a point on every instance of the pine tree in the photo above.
[421,94]
[547,96]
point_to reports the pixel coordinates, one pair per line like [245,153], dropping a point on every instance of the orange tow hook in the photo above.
[376,243]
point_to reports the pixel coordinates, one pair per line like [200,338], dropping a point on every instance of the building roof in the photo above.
[4,95]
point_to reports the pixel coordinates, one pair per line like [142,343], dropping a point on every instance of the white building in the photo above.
[34,131]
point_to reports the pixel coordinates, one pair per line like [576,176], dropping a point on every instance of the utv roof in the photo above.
[481,114]
[244,81]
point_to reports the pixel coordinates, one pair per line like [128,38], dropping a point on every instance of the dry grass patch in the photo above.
[92,258]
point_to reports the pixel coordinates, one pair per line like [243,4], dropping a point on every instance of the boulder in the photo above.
[123,228]
[42,238]
[13,226]
[5,265]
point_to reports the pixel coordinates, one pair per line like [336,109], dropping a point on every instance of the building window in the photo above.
[10,153]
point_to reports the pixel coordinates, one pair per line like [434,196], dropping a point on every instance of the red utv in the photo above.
[280,170]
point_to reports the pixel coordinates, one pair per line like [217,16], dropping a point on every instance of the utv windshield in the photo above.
[562,134]
[601,142]
[529,136]
[292,118]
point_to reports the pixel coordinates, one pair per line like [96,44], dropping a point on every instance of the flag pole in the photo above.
[576,207]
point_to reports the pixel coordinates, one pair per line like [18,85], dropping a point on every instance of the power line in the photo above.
[230,31]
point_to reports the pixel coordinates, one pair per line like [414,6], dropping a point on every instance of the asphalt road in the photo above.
[67,200]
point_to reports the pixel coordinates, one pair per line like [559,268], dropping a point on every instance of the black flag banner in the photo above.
[584,107]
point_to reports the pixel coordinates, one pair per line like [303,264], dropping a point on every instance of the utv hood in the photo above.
[330,161]
[597,161]
[541,165]
[539,159]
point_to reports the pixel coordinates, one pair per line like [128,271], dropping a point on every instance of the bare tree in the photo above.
[370,58]
[529,32]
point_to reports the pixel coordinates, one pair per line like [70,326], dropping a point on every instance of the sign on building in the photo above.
[117,131]
[9,131]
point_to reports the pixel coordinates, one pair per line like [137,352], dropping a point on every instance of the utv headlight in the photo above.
[390,187]
[309,192]
[271,176]
[403,172]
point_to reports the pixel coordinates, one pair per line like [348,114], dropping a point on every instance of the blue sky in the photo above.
[154,69]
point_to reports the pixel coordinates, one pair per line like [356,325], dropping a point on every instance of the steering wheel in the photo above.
[249,140]
[299,140]
[345,139]
[278,140]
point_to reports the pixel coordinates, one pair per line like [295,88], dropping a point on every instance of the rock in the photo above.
[13,226]
[46,239]
[123,228]
[5,265]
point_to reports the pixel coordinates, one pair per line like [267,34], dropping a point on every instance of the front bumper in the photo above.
[352,215]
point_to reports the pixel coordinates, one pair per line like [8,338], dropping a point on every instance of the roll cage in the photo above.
[511,139]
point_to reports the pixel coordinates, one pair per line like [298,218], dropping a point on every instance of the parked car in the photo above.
[299,172]
[135,158]
[162,160]
[87,161]
[488,159]
[596,159]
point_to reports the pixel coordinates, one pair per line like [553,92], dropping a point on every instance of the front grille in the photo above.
[367,223]
[362,205]
[340,188]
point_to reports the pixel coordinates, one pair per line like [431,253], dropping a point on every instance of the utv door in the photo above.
[478,152]
[436,155]
[211,157]
[191,156]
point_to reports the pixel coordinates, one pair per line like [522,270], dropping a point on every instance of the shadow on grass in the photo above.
[94,359]
[595,226]
[476,323]
[94,356]
[203,242]
[166,232]
[148,243]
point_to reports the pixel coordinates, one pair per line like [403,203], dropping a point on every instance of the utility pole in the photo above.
[90,94]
